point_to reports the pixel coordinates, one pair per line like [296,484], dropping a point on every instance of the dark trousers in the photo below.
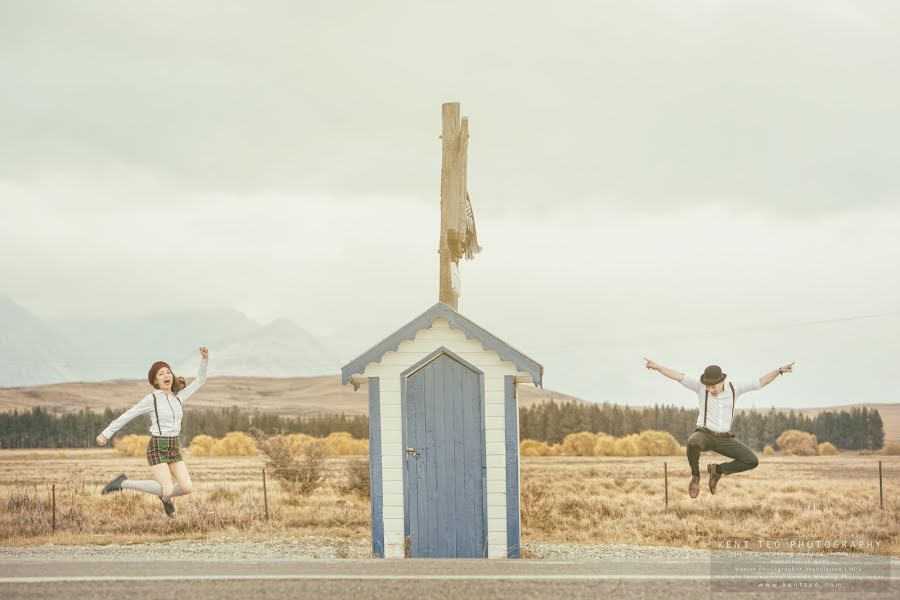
[744,458]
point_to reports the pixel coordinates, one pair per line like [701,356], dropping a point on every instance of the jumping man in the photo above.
[714,422]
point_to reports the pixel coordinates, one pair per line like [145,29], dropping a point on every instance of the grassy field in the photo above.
[564,499]
[286,396]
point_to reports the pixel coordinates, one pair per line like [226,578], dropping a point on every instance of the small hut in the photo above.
[443,438]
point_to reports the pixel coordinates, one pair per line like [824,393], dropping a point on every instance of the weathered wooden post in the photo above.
[666,477]
[265,496]
[53,507]
[880,487]
[451,194]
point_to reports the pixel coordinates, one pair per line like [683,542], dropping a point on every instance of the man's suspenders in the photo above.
[706,402]
[733,403]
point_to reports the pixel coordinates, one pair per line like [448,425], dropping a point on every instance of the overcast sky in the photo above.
[697,182]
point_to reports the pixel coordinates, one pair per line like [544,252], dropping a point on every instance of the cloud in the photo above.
[645,106]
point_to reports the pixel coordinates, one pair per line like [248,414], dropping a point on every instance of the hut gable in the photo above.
[436,324]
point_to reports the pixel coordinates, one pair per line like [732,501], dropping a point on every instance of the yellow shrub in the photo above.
[827,449]
[341,443]
[132,445]
[579,444]
[605,445]
[657,443]
[797,442]
[235,443]
[201,445]
[768,450]
[534,448]
[299,441]
[628,446]
[892,449]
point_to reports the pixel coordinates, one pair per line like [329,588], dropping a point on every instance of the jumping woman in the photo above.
[163,451]
[715,420]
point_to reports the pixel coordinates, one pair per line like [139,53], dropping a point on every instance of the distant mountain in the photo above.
[35,351]
[31,352]
[280,349]
[120,348]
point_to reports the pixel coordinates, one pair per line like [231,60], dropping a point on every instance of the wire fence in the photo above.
[867,485]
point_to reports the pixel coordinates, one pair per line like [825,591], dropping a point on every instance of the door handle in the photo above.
[411,452]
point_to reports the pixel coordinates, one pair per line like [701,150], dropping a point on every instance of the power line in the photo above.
[725,331]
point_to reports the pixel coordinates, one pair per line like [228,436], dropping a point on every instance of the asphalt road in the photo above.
[444,579]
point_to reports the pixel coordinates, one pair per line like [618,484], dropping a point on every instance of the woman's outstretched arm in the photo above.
[141,408]
[200,379]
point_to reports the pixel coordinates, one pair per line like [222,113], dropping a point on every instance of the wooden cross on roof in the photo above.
[458,238]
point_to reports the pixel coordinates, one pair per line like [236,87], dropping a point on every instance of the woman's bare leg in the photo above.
[184,485]
[161,474]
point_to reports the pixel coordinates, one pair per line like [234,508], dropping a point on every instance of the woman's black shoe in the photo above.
[169,506]
[115,485]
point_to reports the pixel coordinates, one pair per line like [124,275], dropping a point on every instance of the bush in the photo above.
[356,478]
[132,445]
[827,449]
[579,444]
[201,445]
[795,442]
[299,441]
[768,450]
[341,443]
[892,449]
[657,443]
[295,476]
[605,445]
[534,448]
[627,446]
[235,443]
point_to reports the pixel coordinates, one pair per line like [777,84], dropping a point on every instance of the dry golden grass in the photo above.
[564,499]
[622,500]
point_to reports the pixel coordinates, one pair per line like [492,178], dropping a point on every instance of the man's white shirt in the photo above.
[720,408]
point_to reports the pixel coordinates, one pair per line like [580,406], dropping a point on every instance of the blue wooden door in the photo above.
[444,496]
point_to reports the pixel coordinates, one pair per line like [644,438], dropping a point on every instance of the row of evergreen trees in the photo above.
[856,429]
[39,428]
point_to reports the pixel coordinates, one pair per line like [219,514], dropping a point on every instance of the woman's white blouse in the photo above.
[169,407]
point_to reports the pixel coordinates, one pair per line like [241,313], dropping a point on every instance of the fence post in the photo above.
[880,487]
[265,495]
[53,505]
[666,475]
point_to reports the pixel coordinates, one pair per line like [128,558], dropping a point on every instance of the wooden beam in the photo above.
[451,191]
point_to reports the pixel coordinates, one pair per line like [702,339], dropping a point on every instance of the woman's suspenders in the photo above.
[156,410]
[706,402]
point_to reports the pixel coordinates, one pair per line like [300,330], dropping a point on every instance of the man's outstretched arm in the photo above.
[670,373]
[770,377]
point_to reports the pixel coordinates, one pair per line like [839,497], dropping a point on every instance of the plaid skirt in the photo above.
[163,449]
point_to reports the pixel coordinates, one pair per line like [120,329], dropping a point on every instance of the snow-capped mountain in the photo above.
[31,352]
[280,349]
[35,351]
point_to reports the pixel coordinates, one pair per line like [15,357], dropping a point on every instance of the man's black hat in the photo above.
[712,375]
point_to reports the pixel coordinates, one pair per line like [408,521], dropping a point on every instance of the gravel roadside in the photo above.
[313,547]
